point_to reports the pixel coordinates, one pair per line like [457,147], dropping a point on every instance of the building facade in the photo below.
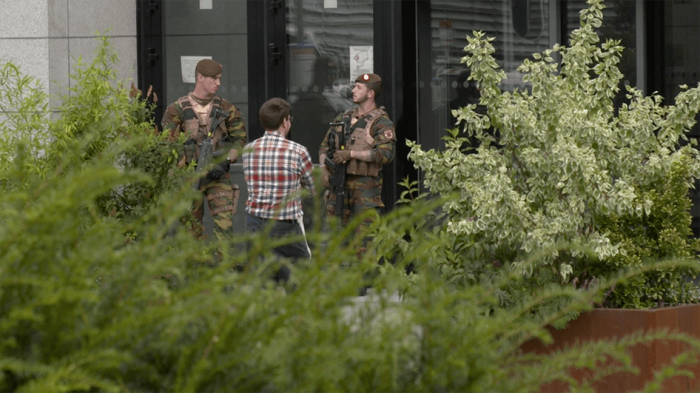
[45,38]
[310,51]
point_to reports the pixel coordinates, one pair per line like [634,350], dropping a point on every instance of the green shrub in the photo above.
[95,299]
[663,233]
[24,119]
[85,308]
[559,164]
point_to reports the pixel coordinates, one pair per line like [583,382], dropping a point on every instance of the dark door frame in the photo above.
[267,76]
[396,62]
[655,41]
[149,50]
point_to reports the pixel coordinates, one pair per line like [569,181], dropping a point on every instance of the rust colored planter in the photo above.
[611,323]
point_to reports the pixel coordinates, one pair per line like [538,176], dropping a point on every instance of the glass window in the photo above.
[680,60]
[681,47]
[329,44]
[520,28]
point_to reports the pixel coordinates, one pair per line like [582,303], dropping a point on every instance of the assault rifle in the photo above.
[338,177]
[206,152]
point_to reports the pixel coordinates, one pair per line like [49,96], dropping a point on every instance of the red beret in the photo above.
[208,67]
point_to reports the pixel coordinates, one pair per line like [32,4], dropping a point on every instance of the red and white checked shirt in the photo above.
[275,169]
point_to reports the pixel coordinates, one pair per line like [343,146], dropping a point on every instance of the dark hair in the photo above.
[273,112]
[376,87]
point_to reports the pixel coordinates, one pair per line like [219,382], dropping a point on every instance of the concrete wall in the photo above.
[46,37]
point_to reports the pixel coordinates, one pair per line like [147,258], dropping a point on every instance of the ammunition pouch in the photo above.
[363,168]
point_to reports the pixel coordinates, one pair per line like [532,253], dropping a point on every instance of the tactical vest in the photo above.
[196,129]
[361,139]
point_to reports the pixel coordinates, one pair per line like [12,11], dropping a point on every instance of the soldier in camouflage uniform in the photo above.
[194,114]
[368,148]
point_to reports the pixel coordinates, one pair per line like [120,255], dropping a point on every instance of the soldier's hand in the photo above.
[326,177]
[341,156]
[218,171]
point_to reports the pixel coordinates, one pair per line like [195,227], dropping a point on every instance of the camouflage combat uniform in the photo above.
[186,115]
[373,131]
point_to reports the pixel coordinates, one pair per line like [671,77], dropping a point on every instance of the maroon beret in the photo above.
[373,82]
[208,67]
[369,79]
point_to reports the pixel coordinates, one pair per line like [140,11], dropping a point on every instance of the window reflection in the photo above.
[319,64]
[520,28]
[681,54]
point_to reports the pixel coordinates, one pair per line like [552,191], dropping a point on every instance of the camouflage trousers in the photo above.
[222,199]
[362,193]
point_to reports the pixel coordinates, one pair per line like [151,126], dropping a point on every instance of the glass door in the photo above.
[196,29]
[329,43]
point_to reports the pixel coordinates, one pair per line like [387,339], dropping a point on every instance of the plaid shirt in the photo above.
[275,169]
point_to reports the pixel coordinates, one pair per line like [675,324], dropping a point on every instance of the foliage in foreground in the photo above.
[560,164]
[125,299]
[86,307]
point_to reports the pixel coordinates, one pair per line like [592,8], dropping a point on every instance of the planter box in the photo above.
[610,323]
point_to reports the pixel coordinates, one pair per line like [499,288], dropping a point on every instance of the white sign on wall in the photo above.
[205,4]
[361,61]
[188,64]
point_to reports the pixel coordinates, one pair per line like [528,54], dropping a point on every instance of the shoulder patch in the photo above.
[389,134]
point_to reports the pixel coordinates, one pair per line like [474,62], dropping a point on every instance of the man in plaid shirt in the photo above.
[275,170]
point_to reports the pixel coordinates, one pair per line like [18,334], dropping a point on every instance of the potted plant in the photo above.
[557,164]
